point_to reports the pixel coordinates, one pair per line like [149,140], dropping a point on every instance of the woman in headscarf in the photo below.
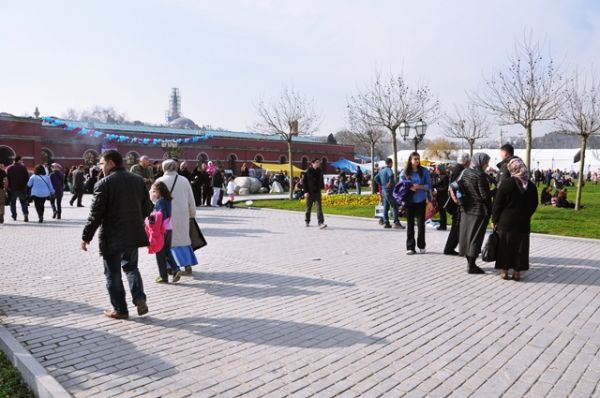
[514,204]
[475,211]
[183,208]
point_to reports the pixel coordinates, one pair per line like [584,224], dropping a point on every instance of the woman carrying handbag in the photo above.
[41,189]
[514,204]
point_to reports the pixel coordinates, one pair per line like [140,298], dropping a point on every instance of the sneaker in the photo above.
[411,252]
[142,307]
[322,226]
[398,225]
[115,315]
[387,225]
[177,276]
[422,251]
[159,280]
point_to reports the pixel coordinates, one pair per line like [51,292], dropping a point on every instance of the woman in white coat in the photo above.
[183,208]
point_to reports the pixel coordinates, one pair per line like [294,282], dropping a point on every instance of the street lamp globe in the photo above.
[404,129]
[421,128]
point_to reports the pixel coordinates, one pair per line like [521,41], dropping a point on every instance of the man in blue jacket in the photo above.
[387,180]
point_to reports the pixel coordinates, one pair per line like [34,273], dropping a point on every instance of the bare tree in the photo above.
[99,114]
[528,91]
[364,133]
[386,102]
[288,116]
[580,115]
[467,124]
[441,149]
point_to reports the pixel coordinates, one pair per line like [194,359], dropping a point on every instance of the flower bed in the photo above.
[349,200]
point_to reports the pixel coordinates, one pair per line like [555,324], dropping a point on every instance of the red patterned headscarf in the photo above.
[517,169]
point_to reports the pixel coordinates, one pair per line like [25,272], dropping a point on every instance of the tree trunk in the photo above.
[581,178]
[372,167]
[291,172]
[395,149]
[471,145]
[528,147]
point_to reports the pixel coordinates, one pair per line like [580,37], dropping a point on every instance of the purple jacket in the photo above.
[58,182]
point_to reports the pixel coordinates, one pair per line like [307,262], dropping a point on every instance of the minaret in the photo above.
[36,113]
[174,105]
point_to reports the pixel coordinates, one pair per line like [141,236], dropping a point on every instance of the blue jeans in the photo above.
[22,196]
[128,261]
[358,188]
[388,200]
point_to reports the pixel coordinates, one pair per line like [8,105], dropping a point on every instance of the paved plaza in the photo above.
[277,309]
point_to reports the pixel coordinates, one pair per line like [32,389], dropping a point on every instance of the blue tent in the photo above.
[348,166]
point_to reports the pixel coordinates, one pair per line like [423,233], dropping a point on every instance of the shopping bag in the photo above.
[196,237]
[490,248]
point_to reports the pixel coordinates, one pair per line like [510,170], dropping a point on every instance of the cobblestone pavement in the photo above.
[278,309]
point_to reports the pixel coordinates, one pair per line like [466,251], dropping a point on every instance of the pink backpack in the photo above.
[155,230]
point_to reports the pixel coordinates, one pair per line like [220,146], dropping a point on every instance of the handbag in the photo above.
[490,248]
[196,237]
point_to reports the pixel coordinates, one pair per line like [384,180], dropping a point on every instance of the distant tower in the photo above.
[174,111]
[36,113]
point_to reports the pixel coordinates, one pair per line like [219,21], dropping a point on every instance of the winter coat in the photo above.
[120,205]
[476,187]
[513,208]
[313,180]
[183,207]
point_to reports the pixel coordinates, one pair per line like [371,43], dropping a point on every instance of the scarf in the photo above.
[479,159]
[518,170]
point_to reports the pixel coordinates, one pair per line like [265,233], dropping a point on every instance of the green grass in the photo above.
[584,223]
[11,384]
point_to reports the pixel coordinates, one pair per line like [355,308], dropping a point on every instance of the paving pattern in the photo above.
[278,309]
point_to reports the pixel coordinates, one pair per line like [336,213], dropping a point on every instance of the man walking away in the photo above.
[78,185]
[3,188]
[120,205]
[18,176]
[313,185]
[387,181]
[359,180]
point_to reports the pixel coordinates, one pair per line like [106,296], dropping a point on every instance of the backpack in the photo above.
[401,193]
[155,230]
[457,191]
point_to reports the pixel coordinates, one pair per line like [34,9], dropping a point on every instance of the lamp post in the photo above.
[420,129]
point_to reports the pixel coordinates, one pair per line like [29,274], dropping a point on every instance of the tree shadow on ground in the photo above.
[91,353]
[273,332]
[562,270]
[259,285]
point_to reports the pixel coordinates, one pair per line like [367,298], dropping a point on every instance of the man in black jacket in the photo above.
[313,185]
[121,203]
[507,153]
[78,185]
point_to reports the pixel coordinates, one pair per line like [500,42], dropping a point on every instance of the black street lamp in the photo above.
[420,129]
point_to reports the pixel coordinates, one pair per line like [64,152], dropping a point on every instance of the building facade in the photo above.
[38,143]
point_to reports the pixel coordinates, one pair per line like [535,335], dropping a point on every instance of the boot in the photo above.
[58,216]
[473,268]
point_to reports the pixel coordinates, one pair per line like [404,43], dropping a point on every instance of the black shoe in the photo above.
[142,307]
[14,218]
[440,228]
[387,225]
[58,216]
[451,253]
[54,215]
[80,206]
[41,220]
[26,218]
[475,270]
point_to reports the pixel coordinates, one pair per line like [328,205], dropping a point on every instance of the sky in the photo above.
[225,56]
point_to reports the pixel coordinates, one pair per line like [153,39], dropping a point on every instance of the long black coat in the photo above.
[121,203]
[513,208]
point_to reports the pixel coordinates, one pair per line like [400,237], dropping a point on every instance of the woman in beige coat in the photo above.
[183,208]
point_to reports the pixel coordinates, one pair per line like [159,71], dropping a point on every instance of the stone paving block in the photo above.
[254,321]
